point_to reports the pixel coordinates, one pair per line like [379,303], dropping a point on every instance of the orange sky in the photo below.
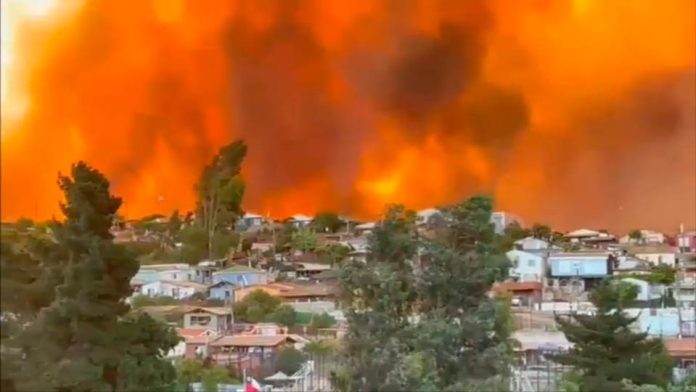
[574,113]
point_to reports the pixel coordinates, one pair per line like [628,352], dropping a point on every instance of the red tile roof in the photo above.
[251,340]
[517,286]
[681,347]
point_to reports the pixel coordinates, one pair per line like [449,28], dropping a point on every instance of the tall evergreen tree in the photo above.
[77,339]
[606,350]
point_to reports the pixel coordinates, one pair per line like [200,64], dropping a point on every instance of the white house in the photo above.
[582,233]
[365,228]
[526,266]
[647,291]
[300,220]
[647,237]
[177,290]
[654,254]
[536,245]
[172,272]
[424,216]
[501,220]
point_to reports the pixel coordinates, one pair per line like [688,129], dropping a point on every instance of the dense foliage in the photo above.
[418,313]
[606,351]
[65,322]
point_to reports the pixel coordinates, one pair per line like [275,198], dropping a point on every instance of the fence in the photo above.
[541,375]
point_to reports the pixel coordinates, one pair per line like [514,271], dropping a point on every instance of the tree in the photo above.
[333,253]
[24,224]
[189,370]
[419,316]
[635,235]
[289,361]
[321,346]
[220,191]
[515,231]
[213,376]
[606,351]
[327,222]
[284,315]
[143,367]
[304,240]
[472,349]
[78,338]
[256,307]
[541,232]
[379,297]
[323,320]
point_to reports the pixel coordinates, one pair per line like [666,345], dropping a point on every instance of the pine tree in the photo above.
[74,336]
[606,350]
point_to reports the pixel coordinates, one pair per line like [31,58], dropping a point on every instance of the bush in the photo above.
[256,307]
[283,315]
[289,361]
[143,300]
[323,320]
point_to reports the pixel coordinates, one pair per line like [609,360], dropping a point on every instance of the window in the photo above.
[174,277]
[200,320]
[227,294]
[531,263]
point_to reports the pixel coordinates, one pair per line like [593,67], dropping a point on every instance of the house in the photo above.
[535,344]
[684,292]
[428,215]
[222,290]
[654,254]
[646,292]
[501,220]
[299,221]
[535,245]
[241,276]
[663,322]
[262,247]
[171,272]
[646,237]
[174,289]
[364,229]
[574,273]
[329,276]
[686,241]
[194,342]
[250,220]
[233,348]
[523,293]
[526,266]
[219,319]
[682,351]
[309,270]
[203,272]
[581,234]
[290,292]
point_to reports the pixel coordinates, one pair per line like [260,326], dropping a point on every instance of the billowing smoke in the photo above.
[573,112]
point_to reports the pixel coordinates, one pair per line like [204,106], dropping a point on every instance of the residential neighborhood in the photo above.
[547,276]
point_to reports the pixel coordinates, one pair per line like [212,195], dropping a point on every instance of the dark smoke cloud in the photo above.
[430,73]
[632,155]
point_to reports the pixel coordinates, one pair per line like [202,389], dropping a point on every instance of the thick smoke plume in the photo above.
[572,112]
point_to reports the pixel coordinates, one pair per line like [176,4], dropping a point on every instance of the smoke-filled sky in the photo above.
[570,112]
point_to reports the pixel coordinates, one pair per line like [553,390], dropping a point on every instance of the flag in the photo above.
[252,385]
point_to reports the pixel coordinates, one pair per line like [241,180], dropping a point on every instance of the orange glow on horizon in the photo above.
[571,112]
